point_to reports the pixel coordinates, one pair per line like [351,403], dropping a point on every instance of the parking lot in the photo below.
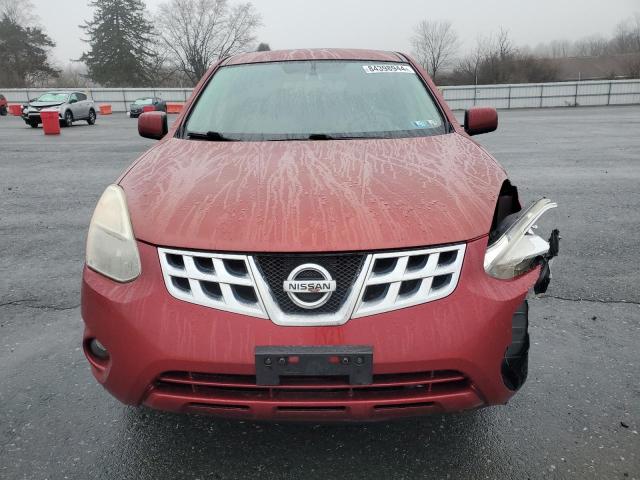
[578,415]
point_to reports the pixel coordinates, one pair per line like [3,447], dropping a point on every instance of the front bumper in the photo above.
[35,115]
[167,354]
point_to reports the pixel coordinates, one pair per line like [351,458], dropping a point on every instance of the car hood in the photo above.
[313,195]
[45,104]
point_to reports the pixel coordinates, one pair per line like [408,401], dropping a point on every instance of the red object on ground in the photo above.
[50,121]
[105,109]
[148,108]
[174,107]
[15,110]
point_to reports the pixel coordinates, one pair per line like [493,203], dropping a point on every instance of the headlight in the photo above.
[111,246]
[517,249]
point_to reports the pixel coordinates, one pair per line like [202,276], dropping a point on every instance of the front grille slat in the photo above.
[243,387]
[406,278]
[398,394]
[306,383]
[220,281]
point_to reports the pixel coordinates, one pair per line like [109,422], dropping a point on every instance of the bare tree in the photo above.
[435,44]
[632,66]
[626,38]
[621,41]
[73,74]
[635,32]
[560,48]
[500,56]
[496,59]
[593,46]
[468,68]
[196,33]
[18,11]
[503,45]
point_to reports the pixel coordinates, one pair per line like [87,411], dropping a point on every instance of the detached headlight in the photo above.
[517,249]
[111,246]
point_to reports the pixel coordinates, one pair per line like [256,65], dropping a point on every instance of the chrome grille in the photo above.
[403,279]
[213,280]
[366,284]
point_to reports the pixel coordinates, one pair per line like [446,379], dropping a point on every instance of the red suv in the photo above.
[315,238]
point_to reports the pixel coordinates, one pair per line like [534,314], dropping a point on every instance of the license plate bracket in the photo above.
[353,361]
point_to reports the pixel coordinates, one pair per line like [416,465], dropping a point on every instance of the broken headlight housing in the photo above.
[517,249]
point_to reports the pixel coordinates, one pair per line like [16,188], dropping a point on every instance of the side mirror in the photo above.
[73,100]
[153,125]
[479,120]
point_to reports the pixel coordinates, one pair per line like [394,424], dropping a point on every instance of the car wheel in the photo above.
[92,118]
[68,119]
[33,123]
[3,111]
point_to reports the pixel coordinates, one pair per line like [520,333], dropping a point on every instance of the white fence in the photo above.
[118,98]
[525,95]
[539,95]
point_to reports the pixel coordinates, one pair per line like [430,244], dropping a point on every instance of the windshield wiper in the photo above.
[211,136]
[326,136]
[321,136]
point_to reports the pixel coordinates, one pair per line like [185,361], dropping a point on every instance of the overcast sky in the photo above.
[381,24]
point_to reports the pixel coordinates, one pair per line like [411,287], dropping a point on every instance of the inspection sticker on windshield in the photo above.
[388,68]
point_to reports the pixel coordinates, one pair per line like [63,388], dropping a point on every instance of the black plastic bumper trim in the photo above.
[516,359]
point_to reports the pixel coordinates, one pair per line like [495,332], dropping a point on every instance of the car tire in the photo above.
[92,117]
[33,123]
[67,121]
[3,111]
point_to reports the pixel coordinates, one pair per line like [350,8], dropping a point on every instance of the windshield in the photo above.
[53,97]
[143,101]
[303,99]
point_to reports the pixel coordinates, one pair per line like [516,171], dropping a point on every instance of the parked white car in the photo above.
[71,106]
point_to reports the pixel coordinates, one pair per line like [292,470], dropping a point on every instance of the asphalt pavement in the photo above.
[578,415]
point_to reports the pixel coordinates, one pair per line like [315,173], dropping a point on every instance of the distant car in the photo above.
[72,107]
[137,107]
[3,105]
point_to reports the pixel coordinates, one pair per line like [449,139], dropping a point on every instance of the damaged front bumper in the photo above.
[515,251]
[545,262]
